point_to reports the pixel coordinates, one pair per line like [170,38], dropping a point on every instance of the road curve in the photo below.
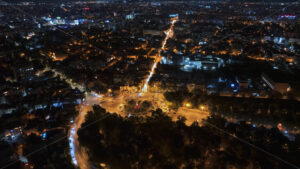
[78,154]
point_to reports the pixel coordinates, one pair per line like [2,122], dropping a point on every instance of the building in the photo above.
[199,62]
[282,87]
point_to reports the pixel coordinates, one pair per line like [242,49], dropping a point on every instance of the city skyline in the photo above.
[165,84]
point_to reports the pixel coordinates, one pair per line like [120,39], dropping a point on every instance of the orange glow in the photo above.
[261,58]
[169,34]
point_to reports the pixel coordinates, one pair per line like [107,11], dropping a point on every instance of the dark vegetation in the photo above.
[157,142]
[272,111]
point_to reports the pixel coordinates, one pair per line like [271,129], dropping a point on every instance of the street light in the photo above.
[202,107]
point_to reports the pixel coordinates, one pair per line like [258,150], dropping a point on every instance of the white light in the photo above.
[72,146]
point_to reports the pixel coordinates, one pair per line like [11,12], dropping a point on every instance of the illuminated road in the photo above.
[169,34]
[72,84]
[114,105]
[78,154]
[111,104]
[191,115]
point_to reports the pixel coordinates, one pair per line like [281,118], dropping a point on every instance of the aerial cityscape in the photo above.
[146,84]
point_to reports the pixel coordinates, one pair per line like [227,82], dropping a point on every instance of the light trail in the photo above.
[78,154]
[169,34]
[72,145]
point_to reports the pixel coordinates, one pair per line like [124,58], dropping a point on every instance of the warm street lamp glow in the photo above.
[169,33]
[188,105]
[102,165]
